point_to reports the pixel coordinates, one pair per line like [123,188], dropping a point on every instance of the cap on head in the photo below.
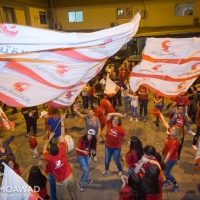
[43,113]
[54,149]
[91,132]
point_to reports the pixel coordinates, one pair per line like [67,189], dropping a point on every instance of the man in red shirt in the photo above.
[98,112]
[106,106]
[59,165]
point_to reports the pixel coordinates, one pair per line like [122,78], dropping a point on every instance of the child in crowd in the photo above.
[13,165]
[76,105]
[33,145]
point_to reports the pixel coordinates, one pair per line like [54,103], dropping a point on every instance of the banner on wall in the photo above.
[169,66]
[39,66]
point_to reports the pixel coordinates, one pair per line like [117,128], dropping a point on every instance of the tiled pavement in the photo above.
[107,187]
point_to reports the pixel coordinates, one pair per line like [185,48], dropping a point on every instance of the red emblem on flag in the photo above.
[105,42]
[194,67]
[70,94]
[181,85]
[61,69]
[156,67]
[165,45]
[20,86]
[9,30]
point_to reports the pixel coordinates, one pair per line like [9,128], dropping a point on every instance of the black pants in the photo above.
[180,148]
[143,105]
[196,137]
[31,122]
[113,101]
[118,97]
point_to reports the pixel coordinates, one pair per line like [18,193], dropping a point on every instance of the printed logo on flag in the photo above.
[70,94]
[165,45]
[181,85]
[61,69]
[21,86]
[157,67]
[9,30]
[105,42]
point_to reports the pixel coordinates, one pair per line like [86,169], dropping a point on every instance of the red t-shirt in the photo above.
[180,121]
[82,146]
[99,113]
[131,159]
[182,101]
[91,92]
[142,96]
[171,146]
[147,165]
[43,192]
[33,142]
[58,163]
[160,180]
[17,171]
[114,135]
[157,97]
[125,193]
[107,106]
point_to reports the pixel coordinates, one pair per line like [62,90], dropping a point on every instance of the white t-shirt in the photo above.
[134,100]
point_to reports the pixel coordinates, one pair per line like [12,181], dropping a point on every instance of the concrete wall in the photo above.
[158,13]
[24,12]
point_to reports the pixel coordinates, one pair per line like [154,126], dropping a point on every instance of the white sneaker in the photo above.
[125,115]
[167,132]
[194,147]
[94,158]
[131,119]
[136,119]
[191,132]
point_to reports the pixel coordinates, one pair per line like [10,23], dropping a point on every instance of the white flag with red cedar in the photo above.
[168,67]
[39,65]
[111,87]
[4,122]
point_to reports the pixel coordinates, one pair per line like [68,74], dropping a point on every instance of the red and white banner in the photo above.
[39,66]
[169,66]
[4,122]
[13,187]
[111,87]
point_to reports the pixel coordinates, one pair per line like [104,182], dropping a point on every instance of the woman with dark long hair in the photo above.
[152,183]
[37,179]
[131,188]
[13,165]
[134,154]
[83,148]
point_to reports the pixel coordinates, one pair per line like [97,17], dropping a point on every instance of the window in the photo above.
[183,9]
[76,16]
[43,17]
[124,13]
[9,15]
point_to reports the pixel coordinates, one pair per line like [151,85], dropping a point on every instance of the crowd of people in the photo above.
[147,167]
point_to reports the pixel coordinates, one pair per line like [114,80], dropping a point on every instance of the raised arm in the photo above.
[164,121]
[110,115]
[78,113]
[62,121]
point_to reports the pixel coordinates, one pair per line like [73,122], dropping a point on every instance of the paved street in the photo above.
[106,187]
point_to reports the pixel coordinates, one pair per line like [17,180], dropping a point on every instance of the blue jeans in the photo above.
[52,183]
[126,102]
[159,108]
[85,102]
[168,169]
[91,99]
[143,105]
[134,111]
[109,152]
[130,171]
[84,163]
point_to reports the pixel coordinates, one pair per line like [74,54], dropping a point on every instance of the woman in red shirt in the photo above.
[131,188]
[134,154]
[114,135]
[152,183]
[83,147]
[13,165]
[37,179]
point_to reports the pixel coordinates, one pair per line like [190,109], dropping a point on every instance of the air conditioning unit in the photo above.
[112,24]
[58,26]
[196,20]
